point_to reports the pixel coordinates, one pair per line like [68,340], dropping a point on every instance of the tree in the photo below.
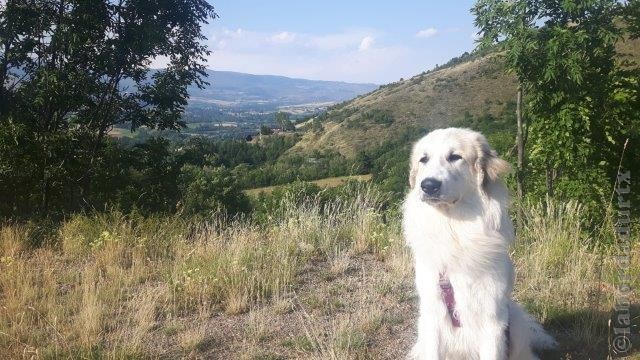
[70,70]
[208,190]
[283,120]
[151,185]
[583,104]
[631,15]
[511,25]
[265,130]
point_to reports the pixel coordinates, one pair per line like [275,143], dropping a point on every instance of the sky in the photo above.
[348,40]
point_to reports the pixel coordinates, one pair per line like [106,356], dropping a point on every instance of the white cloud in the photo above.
[355,55]
[366,43]
[336,41]
[234,33]
[427,33]
[283,37]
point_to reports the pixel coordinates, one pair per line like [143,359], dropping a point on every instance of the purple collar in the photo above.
[446,292]
[448,296]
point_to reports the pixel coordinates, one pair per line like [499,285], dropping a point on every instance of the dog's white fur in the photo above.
[464,232]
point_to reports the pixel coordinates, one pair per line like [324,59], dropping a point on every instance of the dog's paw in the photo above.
[419,352]
[414,354]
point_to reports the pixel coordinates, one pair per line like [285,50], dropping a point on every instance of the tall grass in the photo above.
[566,273]
[103,281]
[103,284]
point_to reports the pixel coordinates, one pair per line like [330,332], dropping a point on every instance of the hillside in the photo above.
[430,100]
[477,86]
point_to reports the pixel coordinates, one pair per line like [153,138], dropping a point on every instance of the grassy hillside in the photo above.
[473,85]
[110,286]
[430,100]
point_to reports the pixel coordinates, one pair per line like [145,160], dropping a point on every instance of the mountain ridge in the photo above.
[233,89]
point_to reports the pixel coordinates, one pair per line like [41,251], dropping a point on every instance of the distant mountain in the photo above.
[268,92]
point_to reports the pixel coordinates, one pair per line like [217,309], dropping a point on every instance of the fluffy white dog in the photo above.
[456,222]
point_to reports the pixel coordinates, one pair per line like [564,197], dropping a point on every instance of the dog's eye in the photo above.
[454,157]
[424,159]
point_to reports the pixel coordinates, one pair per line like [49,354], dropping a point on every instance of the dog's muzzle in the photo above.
[431,186]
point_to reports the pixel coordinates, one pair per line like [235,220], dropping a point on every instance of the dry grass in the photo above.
[323,183]
[195,336]
[566,275]
[327,285]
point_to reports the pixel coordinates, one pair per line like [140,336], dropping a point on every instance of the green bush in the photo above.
[207,190]
[265,130]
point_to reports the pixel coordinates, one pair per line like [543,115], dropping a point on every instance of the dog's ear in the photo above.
[413,166]
[413,172]
[496,167]
[489,165]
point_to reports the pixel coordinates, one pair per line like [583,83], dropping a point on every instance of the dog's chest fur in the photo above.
[471,251]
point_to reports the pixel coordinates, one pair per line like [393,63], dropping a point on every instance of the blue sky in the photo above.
[349,40]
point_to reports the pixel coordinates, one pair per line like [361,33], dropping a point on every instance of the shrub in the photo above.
[207,190]
[265,130]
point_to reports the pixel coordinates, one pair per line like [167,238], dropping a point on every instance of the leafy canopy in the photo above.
[72,69]
[582,100]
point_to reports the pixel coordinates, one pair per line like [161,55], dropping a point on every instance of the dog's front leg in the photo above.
[493,343]
[428,345]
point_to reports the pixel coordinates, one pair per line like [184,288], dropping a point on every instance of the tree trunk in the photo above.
[44,193]
[4,69]
[520,162]
[520,145]
[551,177]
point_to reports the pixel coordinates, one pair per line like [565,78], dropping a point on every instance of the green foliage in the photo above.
[283,120]
[207,190]
[233,152]
[378,116]
[316,125]
[581,103]
[341,114]
[69,72]
[265,130]
[156,176]
[149,182]
[268,207]
[631,16]
[389,163]
[193,177]
[292,166]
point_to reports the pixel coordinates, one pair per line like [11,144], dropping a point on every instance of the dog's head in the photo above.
[449,164]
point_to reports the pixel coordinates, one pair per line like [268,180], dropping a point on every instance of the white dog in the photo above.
[456,223]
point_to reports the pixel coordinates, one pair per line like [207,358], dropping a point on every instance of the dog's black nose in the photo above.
[430,186]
